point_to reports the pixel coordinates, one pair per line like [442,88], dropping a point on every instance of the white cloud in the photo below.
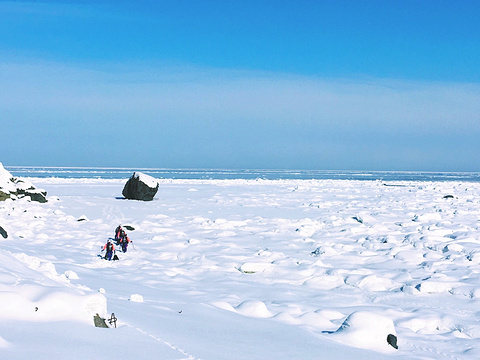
[192,113]
[198,94]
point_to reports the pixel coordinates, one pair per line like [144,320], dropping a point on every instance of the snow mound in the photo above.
[136,298]
[254,267]
[3,343]
[427,217]
[366,330]
[24,305]
[430,325]
[32,290]
[5,180]
[376,283]
[434,287]
[72,275]
[326,282]
[253,308]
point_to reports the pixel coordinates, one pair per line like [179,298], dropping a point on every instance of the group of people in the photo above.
[121,239]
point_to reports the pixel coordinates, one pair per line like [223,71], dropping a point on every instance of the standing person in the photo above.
[118,233]
[124,242]
[109,249]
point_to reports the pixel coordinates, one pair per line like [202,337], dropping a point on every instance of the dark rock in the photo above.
[3,232]
[140,187]
[99,322]
[392,340]
[448,197]
[358,218]
[4,196]
[35,195]
[13,188]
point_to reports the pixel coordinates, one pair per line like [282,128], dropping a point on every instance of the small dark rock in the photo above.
[99,322]
[3,232]
[392,340]
[317,252]
[4,196]
[39,196]
[448,197]
[358,218]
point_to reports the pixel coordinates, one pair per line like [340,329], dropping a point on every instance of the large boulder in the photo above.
[140,187]
[13,188]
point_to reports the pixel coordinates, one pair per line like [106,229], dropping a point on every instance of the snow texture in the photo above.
[244,269]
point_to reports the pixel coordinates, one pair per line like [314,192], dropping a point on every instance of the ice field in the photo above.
[244,269]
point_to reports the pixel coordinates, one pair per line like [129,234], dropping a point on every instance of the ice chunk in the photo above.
[366,330]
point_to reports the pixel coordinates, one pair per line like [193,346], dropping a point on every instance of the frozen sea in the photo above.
[243,265]
[223,174]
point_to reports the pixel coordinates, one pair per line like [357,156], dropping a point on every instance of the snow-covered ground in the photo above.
[237,269]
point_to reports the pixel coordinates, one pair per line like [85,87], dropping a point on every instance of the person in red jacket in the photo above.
[109,249]
[124,240]
[118,233]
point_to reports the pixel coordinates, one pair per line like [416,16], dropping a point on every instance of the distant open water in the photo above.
[216,174]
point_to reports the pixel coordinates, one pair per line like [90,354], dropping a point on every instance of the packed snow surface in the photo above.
[244,269]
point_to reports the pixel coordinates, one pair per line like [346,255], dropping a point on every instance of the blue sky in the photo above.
[361,85]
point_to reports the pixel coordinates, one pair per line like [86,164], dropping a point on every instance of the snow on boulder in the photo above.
[6,183]
[368,330]
[13,188]
[140,187]
[254,309]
